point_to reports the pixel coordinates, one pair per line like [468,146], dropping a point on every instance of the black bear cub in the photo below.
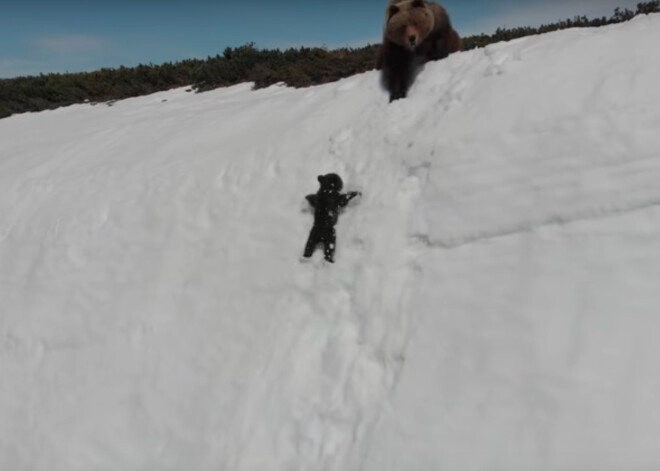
[326,203]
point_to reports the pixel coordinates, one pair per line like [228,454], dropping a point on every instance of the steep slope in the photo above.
[493,304]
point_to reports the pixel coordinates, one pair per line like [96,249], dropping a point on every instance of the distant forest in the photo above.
[295,67]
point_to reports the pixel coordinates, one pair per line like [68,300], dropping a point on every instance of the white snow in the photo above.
[494,305]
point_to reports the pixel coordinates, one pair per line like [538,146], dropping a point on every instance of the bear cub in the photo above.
[327,203]
[415,32]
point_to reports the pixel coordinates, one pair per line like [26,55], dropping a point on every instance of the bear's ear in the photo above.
[391,11]
[418,3]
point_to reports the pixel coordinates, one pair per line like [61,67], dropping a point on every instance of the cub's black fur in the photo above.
[326,203]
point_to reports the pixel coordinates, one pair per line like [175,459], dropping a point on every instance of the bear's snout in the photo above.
[412,39]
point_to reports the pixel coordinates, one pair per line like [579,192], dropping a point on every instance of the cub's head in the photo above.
[330,182]
[408,23]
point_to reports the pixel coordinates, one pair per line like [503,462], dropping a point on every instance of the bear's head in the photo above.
[330,182]
[408,22]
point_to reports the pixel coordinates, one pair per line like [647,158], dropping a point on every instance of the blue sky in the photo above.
[40,36]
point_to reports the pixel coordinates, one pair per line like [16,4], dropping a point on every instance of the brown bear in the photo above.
[415,32]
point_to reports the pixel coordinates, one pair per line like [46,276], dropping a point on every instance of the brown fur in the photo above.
[415,31]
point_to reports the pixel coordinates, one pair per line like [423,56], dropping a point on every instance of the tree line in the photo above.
[300,67]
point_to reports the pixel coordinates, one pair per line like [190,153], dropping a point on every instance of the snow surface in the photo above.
[494,305]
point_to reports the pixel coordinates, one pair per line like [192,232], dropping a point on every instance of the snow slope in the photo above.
[494,305]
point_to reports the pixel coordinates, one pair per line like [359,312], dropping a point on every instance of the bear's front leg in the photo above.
[398,85]
[401,77]
[397,92]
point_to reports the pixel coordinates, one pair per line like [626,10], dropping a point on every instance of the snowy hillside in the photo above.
[494,306]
